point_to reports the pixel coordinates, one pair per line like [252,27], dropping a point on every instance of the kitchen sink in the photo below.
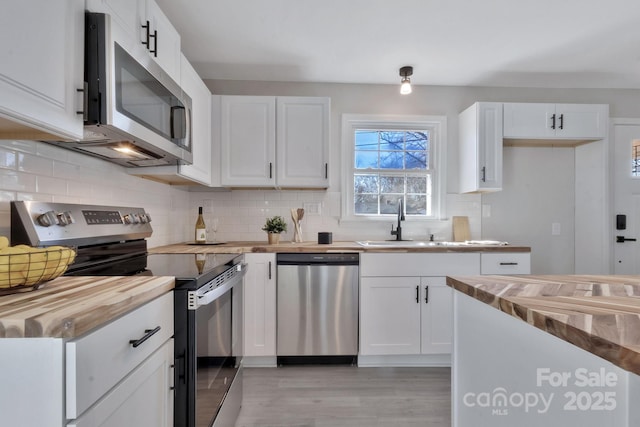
[405,243]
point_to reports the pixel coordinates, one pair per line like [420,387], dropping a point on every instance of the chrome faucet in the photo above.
[398,231]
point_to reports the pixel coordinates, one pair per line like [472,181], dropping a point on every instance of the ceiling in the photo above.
[534,43]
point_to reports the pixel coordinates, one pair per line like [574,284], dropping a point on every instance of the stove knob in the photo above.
[148,217]
[65,218]
[48,219]
[143,218]
[131,218]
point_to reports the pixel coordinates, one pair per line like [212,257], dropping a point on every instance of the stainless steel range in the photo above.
[111,241]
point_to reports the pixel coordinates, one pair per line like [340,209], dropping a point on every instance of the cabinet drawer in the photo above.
[143,399]
[505,263]
[418,264]
[100,359]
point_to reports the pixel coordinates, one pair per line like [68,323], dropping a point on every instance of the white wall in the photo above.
[538,191]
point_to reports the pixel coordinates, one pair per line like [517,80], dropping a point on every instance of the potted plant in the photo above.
[274,226]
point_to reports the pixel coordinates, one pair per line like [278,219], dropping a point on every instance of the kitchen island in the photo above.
[546,350]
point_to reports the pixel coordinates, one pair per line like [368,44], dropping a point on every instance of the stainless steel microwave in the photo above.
[135,114]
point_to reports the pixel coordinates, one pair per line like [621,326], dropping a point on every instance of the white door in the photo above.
[248,141]
[436,300]
[626,193]
[302,128]
[389,315]
[260,305]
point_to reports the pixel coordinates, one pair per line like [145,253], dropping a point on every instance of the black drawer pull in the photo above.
[418,294]
[147,334]
[508,263]
[426,295]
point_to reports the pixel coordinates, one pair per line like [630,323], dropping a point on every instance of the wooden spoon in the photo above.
[300,214]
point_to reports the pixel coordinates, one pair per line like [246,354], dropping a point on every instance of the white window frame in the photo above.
[437,128]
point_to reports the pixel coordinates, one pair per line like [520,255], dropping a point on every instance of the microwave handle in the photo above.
[178,122]
[187,127]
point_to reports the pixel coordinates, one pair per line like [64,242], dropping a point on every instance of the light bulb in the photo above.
[405,86]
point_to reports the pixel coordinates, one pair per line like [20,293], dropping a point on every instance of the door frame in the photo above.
[613,122]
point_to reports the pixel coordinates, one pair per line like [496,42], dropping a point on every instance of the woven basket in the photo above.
[23,268]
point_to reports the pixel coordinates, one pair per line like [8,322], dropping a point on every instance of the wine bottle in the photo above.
[201,229]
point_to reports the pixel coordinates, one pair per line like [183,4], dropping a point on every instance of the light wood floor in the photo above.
[344,396]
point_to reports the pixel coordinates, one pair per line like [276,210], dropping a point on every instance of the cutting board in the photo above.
[461,231]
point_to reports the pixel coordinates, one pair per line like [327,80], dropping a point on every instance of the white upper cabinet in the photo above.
[555,121]
[302,135]
[164,41]
[480,135]
[274,141]
[248,141]
[149,29]
[41,71]
[200,171]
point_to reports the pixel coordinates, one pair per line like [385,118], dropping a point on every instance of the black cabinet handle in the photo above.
[326,170]
[85,97]
[622,239]
[155,44]
[418,294]
[148,28]
[426,294]
[148,333]
[561,121]
[553,121]
[484,174]
[269,270]
[508,263]
[270,170]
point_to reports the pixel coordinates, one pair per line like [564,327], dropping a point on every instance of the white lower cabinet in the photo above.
[405,304]
[260,307]
[98,379]
[405,315]
[100,360]
[143,399]
[389,315]
[436,315]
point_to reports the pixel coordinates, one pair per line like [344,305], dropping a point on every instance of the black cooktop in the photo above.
[190,270]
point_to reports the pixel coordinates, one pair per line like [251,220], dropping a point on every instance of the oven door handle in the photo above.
[195,300]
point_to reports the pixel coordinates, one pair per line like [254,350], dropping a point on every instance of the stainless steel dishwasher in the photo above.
[317,315]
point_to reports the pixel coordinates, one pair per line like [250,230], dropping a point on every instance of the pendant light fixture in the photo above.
[405,84]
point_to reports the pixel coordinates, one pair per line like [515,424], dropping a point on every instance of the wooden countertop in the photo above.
[67,307]
[600,314]
[309,247]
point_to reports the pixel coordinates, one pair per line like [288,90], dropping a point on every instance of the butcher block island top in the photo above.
[600,314]
[68,307]
[313,247]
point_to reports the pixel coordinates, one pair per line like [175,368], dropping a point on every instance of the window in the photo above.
[388,159]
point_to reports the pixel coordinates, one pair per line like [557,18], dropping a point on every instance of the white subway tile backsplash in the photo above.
[50,185]
[34,164]
[240,220]
[17,181]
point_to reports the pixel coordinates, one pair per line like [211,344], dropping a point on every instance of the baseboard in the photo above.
[418,360]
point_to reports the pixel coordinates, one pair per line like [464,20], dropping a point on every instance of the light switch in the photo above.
[555,229]
[312,208]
